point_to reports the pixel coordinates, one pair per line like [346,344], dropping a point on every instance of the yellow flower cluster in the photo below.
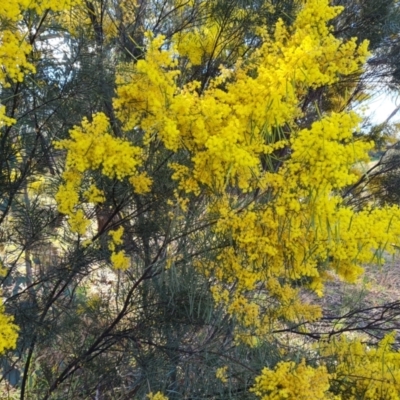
[4,120]
[363,372]
[289,381]
[157,396]
[323,155]
[200,43]
[94,195]
[13,52]
[92,148]
[78,222]
[148,91]
[13,44]
[8,332]
[116,236]
[221,374]
[356,371]
[13,47]
[119,259]
[141,183]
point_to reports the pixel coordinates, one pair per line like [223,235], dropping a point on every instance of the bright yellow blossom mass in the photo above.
[156,396]
[268,182]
